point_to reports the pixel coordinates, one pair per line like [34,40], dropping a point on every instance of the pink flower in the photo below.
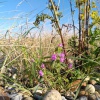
[70,65]
[62,60]
[62,55]
[41,73]
[60,45]
[42,66]
[54,57]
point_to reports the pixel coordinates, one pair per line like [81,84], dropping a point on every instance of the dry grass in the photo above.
[48,43]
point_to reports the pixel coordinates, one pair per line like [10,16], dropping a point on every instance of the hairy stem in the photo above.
[58,28]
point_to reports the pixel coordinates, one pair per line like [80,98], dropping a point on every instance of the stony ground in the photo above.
[89,91]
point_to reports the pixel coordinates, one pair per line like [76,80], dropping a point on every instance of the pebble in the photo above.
[52,95]
[3,94]
[83,98]
[87,79]
[14,76]
[84,84]
[13,70]
[16,96]
[37,97]
[39,91]
[69,97]
[97,88]
[63,98]
[69,93]
[10,90]
[83,93]
[95,96]
[93,82]
[97,79]
[90,88]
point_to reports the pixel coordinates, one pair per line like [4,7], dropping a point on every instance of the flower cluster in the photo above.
[41,72]
[62,57]
[42,66]
[54,57]
[60,45]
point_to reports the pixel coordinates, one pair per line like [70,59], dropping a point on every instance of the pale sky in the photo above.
[15,13]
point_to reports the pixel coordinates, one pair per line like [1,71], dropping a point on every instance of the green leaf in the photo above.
[26,33]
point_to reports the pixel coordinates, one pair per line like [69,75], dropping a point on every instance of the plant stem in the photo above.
[79,28]
[87,23]
[58,28]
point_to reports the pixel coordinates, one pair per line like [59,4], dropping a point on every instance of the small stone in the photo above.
[69,97]
[14,76]
[39,91]
[84,84]
[10,89]
[63,98]
[13,70]
[9,74]
[93,82]
[97,79]
[97,88]
[83,93]
[95,96]
[3,95]
[87,79]
[37,97]
[90,88]
[83,98]
[16,96]
[70,60]
[52,95]
[69,93]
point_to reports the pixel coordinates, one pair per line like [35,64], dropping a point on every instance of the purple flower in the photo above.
[70,65]
[62,59]
[42,66]
[60,45]
[54,57]
[41,73]
[62,55]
